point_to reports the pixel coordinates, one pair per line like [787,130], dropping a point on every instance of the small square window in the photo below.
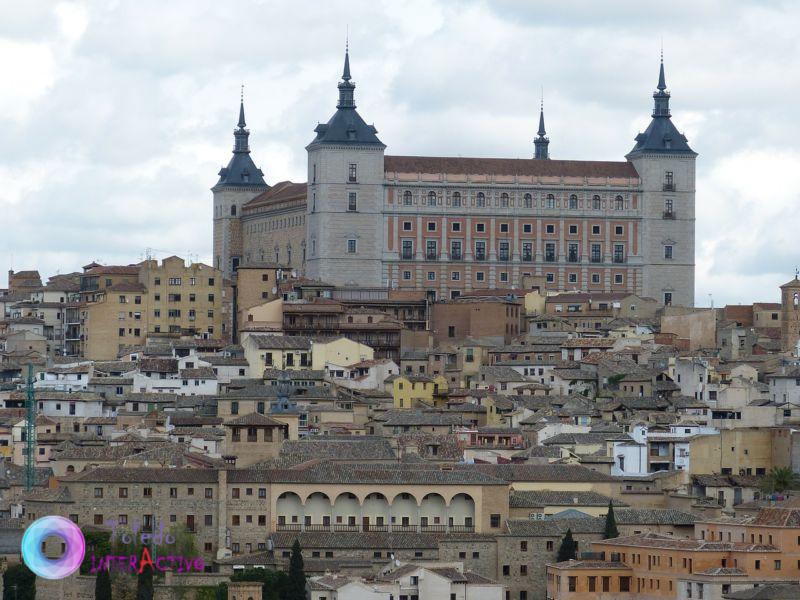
[480,227]
[455,276]
[431,225]
[504,276]
[527,228]
[551,277]
[618,278]
[595,277]
[406,225]
[618,230]
[406,275]
[595,229]
[480,276]
[572,278]
[573,230]
[455,227]
[550,228]
[431,276]
[503,227]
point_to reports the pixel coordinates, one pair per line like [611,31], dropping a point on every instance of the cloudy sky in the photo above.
[116,116]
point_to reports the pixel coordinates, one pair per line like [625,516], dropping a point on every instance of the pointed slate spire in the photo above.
[241,170]
[662,85]
[241,123]
[661,96]
[661,135]
[542,141]
[346,88]
[346,71]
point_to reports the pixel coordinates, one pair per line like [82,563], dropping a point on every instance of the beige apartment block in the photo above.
[123,305]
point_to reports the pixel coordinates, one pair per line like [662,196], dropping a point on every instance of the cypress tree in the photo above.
[611,530]
[567,551]
[296,586]
[144,584]
[102,585]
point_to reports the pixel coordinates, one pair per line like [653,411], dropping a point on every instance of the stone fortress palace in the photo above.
[452,225]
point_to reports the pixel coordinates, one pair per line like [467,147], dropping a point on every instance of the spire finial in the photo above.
[241,124]
[662,85]
[541,142]
[346,71]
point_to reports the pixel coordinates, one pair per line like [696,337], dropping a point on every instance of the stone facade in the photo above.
[453,225]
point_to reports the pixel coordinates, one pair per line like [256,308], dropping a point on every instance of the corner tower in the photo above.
[666,166]
[345,196]
[238,183]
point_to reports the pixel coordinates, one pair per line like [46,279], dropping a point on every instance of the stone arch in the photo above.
[317,509]
[432,511]
[375,510]
[346,509]
[405,509]
[289,509]
[461,511]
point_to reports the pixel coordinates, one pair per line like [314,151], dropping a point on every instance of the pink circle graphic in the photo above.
[41,529]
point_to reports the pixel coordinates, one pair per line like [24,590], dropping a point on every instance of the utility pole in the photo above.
[30,432]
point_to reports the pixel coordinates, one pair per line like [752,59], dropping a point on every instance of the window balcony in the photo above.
[480,255]
[596,258]
[456,255]
[431,255]
[527,257]
[573,258]
[407,255]
[669,187]
[503,256]
[668,214]
[549,257]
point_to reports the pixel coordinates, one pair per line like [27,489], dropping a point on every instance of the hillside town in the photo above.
[506,444]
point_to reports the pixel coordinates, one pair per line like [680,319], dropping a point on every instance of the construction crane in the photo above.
[30,432]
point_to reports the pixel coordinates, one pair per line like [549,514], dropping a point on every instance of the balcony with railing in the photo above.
[573,257]
[480,254]
[549,257]
[456,255]
[431,255]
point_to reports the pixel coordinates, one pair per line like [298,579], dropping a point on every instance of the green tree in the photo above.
[611,530]
[19,583]
[144,584]
[780,479]
[568,549]
[98,545]
[102,585]
[296,588]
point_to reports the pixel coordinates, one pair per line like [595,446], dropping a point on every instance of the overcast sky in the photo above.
[117,116]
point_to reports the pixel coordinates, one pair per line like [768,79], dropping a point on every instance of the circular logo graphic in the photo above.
[41,529]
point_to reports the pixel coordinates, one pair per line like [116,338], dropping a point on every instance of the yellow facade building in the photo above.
[123,305]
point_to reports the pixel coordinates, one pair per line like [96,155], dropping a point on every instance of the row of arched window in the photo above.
[505,200]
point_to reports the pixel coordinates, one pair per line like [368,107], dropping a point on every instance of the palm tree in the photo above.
[780,479]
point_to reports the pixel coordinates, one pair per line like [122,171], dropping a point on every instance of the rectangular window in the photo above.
[406,225]
[352,202]
[504,251]
[430,250]
[480,276]
[455,227]
[431,225]
[407,275]
[503,227]
[351,246]
[431,276]
[407,252]
[455,276]
[480,250]
[619,253]
[480,227]
[597,253]
[527,252]
[572,253]
[455,250]
[668,252]
[527,228]
[352,173]
[550,252]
